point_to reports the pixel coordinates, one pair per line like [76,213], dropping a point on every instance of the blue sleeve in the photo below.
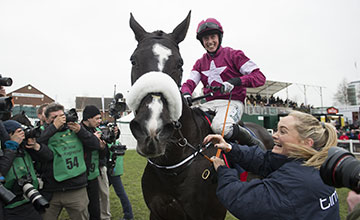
[12,145]
[255,159]
[246,200]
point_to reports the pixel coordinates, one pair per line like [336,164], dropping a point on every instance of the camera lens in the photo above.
[5,195]
[341,169]
[39,202]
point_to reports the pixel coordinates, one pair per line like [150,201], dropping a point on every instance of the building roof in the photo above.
[29,95]
[269,88]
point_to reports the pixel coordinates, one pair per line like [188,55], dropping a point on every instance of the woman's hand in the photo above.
[218,142]
[217,162]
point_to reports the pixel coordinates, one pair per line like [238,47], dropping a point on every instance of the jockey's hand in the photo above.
[188,99]
[229,85]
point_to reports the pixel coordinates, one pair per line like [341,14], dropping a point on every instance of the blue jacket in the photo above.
[289,189]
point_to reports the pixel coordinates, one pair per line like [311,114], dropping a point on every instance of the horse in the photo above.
[178,182]
[22,119]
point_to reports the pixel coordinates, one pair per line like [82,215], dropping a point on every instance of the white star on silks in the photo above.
[213,73]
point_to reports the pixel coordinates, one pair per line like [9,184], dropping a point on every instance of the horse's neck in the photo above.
[193,126]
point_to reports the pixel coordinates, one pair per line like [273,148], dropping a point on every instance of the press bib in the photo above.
[21,170]
[93,170]
[68,155]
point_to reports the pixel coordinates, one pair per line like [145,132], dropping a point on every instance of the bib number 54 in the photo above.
[72,162]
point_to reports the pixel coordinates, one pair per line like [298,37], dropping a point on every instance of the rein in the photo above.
[182,142]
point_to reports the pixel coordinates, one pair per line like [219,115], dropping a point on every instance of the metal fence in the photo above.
[351,145]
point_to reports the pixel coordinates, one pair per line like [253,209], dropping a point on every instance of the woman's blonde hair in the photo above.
[323,135]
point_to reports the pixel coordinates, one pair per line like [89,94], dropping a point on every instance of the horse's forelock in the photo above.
[156,82]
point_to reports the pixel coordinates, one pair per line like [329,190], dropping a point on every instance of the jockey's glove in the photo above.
[188,99]
[229,85]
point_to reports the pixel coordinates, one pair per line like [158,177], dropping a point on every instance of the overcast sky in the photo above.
[74,48]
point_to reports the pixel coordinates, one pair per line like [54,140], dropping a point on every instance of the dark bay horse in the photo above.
[178,183]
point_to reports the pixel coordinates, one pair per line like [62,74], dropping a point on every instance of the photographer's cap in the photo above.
[90,111]
[11,125]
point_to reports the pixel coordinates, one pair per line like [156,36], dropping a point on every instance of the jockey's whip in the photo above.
[223,129]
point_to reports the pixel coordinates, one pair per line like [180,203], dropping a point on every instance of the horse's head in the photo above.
[154,97]
[22,119]
[158,51]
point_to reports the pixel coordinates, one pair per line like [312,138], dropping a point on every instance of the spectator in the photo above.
[343,136]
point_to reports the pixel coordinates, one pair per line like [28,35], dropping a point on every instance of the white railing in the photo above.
[351,145]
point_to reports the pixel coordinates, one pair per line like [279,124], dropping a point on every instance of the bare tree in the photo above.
[341,96]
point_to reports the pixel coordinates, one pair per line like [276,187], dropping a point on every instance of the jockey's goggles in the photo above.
[208,25]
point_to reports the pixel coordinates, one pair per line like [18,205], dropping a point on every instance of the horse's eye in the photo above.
[180,63]
[132,60]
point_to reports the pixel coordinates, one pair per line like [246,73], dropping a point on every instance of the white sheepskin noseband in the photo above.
[156,82]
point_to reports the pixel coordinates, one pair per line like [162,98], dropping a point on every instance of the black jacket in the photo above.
[89,148]
[46,170]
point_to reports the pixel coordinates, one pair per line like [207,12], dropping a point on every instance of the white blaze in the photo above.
[156,107]
[162,53]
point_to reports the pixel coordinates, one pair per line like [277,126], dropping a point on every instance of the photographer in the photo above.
[65,176]
[21,178]
[91,120]
[292,187]
[114,171]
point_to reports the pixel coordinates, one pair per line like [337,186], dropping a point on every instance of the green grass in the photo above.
[133,168]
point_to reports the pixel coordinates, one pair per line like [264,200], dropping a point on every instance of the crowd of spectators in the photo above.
[263,101]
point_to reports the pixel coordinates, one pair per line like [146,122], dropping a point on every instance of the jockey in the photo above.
[226,68]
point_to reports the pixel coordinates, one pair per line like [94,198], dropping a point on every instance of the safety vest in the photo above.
[93,170]
[68,155]
[22,165]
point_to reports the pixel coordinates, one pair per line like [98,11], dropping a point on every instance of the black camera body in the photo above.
[341,169]
[118,149]
[5,195]
[6,104]
[71,115]
[31,193]
[117,106]
[108,132]
[31,132]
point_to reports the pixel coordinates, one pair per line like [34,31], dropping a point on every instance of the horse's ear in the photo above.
[23,112]
[137,29]
[180,31]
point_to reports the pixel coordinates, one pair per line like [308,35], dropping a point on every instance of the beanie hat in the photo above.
[90,111]
[11,125]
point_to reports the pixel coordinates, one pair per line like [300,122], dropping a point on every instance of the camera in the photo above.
[341,169]
[71,115]
[32,132]
[5,81]
[117,106]
[108,132]
[118,149]
[5,195]
[6,104]
[31,193]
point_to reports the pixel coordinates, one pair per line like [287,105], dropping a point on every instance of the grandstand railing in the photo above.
[351,145]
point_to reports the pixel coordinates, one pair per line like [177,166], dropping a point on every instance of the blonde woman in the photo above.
[292,187]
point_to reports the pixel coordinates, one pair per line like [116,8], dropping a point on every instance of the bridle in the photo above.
[182,142]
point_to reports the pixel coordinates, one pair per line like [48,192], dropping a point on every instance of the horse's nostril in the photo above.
[136,129]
